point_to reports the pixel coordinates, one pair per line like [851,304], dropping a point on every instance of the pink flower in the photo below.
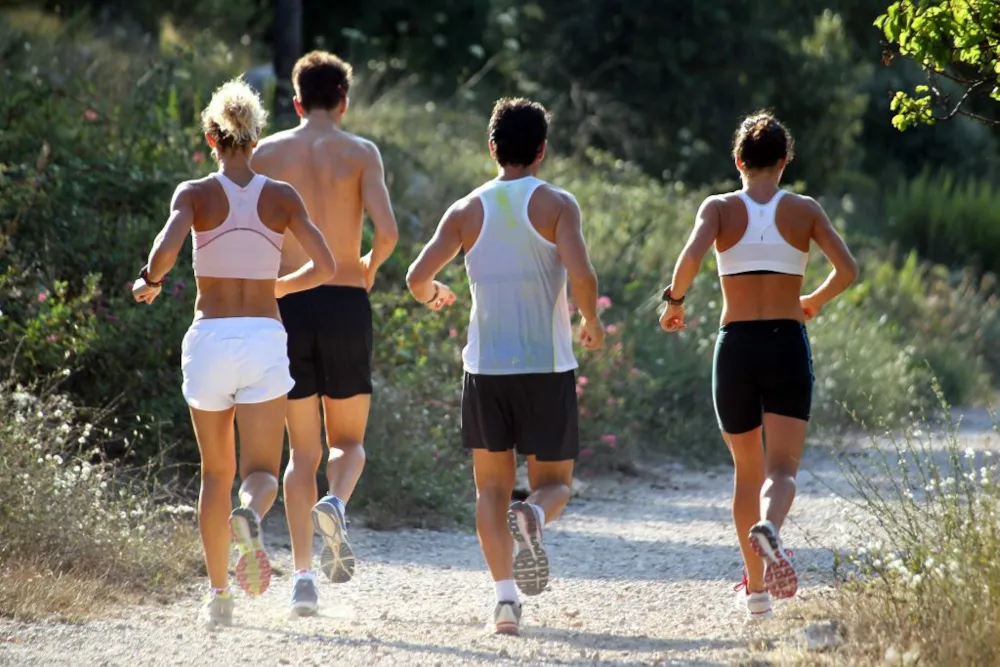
[51,339]
[586,451]
[90,115]
[604,303]
[579,391]
[43,297]
[129,284]
[572,309]
[197,157]
[612,329]
[452,333]
[582,381]
[610,439]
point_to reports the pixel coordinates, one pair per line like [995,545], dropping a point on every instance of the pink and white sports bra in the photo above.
[242,246]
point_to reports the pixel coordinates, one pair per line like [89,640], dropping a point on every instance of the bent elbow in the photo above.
[851,271]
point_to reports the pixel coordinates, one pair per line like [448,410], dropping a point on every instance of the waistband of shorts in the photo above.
[236,324]
[763,326]
[327,290]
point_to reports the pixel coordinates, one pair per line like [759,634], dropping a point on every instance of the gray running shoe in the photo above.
[531,563]
[337,558]
[253,568]
[305,594]
[217,610]
[507,618]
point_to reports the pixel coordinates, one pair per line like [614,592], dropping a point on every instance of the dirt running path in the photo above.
[643,572]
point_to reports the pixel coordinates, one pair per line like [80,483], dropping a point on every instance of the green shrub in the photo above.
[67,513]
[926,580]
[946,220]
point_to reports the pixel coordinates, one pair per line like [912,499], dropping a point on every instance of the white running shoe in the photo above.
[507,618]
[217,610]
[337,557]
[253,567]
[531,563]
[780,578]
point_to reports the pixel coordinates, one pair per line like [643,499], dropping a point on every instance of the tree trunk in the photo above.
[287,49]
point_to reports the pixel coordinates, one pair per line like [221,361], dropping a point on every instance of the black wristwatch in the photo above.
[669,299]
[144,274]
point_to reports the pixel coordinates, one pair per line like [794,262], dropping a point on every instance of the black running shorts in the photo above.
[329,341]
[761,366]
[534,413]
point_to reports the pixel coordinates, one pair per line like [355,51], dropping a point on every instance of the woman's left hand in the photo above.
[144,293]
[672,319]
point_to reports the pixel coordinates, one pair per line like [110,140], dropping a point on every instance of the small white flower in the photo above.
[970,453]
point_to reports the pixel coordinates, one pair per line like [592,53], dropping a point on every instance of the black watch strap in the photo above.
[144,274]
[669,298]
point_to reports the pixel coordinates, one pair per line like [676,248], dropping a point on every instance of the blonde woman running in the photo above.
[234,358]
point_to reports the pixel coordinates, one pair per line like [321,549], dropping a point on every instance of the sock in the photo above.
[218,591]
[506,591]
[303,573]
[541,513]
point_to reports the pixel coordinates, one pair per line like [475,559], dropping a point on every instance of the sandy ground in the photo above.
[643,574]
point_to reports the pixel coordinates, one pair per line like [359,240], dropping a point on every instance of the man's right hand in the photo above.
[591,333]
[369,271]
[445,297]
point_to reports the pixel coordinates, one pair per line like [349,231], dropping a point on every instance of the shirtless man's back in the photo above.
[339,177]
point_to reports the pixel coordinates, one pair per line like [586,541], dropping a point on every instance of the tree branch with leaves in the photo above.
[957,42]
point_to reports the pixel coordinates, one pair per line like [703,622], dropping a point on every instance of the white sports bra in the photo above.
[762,247]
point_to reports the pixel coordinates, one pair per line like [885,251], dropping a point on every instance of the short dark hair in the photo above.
[518,128]
[321,80]
[761,141]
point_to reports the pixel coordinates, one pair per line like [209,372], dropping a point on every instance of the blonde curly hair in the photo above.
[235,118]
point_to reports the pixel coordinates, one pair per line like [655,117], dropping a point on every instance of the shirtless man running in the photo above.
[339,176]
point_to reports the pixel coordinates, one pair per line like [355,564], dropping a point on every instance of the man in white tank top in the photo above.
[522,241]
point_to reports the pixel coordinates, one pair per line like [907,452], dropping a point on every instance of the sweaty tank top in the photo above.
[762,248]
[520,317]
[242,246]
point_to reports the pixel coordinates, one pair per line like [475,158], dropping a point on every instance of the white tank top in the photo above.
[520,319]
[762,247]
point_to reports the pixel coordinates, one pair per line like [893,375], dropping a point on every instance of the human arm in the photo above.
[167,245]
[441,249]
[375,196]
[705,232]
[321,265]
[572,249]
[845,267]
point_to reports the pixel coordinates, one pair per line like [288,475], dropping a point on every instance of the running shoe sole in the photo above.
[509,626]
[780,578]
[337,558]
[304,608]
[253,567]
[531,563]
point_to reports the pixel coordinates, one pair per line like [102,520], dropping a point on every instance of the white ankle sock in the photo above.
[541,513]
[506,591]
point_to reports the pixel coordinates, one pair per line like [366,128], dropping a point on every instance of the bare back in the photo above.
[327,167]
[764,296]
[236,297]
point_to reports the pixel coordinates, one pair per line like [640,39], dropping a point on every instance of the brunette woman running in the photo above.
[762,372]
[233,357]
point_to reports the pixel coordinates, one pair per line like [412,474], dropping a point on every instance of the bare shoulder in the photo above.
[719,201]
[192,191]
[466,208]
[554,198]
[282,191]
[803,205]
[366,150]
[274,142]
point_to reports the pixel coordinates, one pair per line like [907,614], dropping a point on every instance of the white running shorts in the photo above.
[233,360]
